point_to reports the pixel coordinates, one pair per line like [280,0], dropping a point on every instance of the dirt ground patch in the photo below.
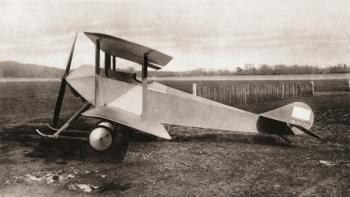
[197,162]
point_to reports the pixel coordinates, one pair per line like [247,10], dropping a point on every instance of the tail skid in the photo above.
[310,133]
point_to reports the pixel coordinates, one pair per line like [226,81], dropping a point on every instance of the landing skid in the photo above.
[53,136]
[67,124]
[52,128]
[44,135]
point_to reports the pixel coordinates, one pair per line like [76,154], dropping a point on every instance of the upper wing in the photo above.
[128,50]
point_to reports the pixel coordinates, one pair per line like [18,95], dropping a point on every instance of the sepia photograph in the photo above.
[174,98]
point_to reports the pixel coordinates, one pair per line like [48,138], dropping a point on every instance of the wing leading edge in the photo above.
[128,50]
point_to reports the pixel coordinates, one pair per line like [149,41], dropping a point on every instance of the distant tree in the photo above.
[265,70]
[340,68]
[239,70]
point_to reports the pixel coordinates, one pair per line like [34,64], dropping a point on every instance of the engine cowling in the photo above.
[101,137]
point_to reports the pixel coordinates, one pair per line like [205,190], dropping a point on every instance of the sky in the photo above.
[204,34]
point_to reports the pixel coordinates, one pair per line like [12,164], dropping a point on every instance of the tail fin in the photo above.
[295,118]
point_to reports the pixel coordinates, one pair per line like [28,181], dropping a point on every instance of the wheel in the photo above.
[101,138]
[109,143]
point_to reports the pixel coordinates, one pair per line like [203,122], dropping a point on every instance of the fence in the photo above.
[242,92]
[332,85]
[253,92]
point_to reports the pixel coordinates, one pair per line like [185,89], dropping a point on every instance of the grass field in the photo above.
[196,162]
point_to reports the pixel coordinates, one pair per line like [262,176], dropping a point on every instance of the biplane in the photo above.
[120,98]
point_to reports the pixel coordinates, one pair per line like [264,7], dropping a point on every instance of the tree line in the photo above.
[263,69]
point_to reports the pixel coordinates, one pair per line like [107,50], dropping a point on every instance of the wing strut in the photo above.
[114,64]
[107,64]
[97,73]
[144,85]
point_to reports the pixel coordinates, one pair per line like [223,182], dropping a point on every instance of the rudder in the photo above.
[295,118]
